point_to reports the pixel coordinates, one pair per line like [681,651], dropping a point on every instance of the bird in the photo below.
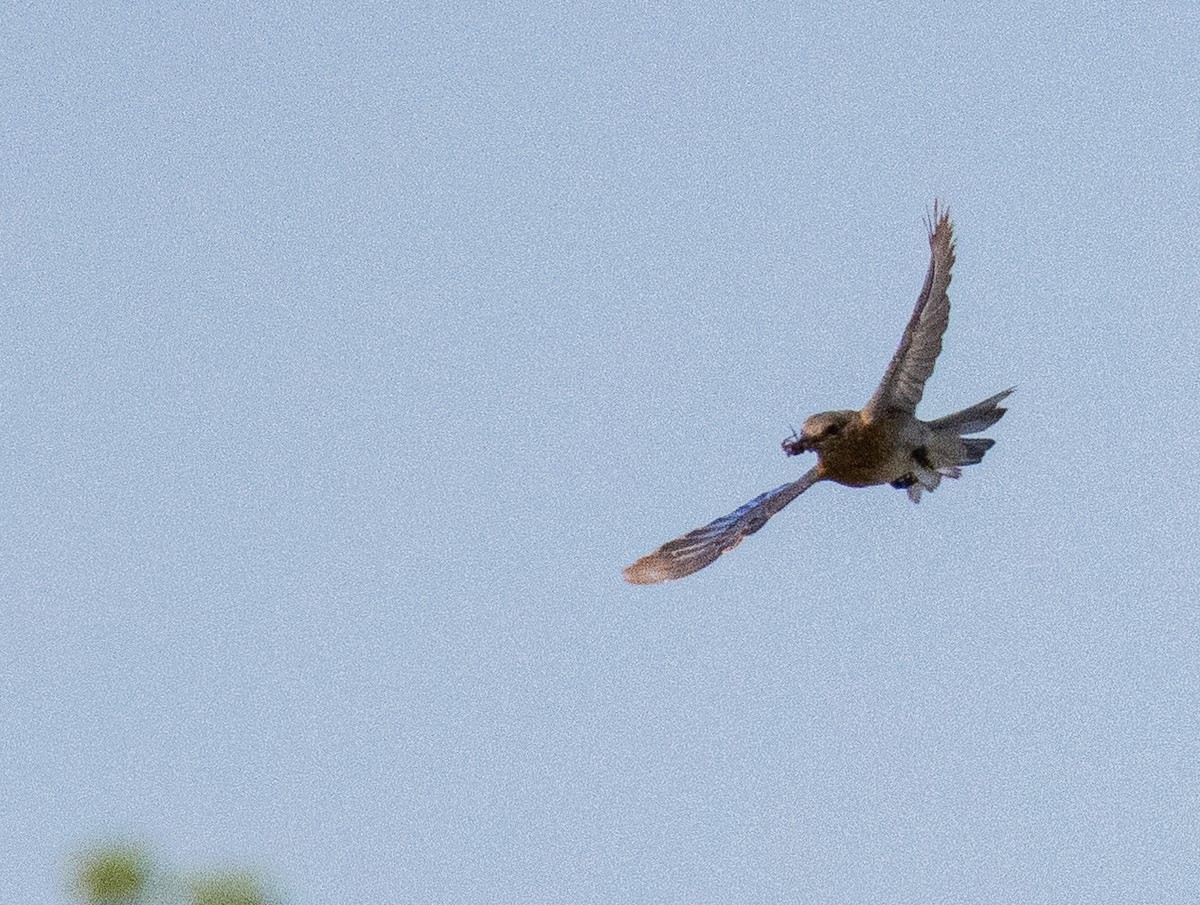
[883,443]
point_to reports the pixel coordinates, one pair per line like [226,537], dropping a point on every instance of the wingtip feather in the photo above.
[642,572]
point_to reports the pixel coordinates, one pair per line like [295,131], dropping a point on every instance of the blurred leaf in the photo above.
[113,875]
[126,875]
[228,889]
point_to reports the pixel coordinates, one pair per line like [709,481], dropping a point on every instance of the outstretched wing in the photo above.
[697,549]
[913,362]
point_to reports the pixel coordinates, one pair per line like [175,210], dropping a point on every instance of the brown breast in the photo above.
[861,455]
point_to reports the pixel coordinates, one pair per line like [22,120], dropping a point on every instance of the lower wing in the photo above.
[699,548]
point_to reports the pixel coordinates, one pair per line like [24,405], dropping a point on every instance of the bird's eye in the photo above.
[831,430]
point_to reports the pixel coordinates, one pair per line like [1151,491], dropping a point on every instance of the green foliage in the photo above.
[112,876]
[228,889]
[126,875]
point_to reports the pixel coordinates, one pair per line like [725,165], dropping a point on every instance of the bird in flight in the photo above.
[885,443]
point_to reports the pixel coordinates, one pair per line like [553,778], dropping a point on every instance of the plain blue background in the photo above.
[350,351]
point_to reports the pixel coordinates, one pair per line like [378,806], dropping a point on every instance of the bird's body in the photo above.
[861,454]
[895,448]
[885,443]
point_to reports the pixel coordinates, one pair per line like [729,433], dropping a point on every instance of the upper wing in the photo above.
[913,362]
[697,549]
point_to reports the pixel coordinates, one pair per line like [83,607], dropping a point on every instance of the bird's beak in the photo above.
[794,445]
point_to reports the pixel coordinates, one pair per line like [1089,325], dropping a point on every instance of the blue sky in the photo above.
[351,351]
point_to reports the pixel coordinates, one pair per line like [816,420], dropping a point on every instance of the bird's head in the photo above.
[819,430]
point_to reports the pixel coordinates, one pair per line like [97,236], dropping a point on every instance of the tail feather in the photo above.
[948,450]
[978,417]
[974,448]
